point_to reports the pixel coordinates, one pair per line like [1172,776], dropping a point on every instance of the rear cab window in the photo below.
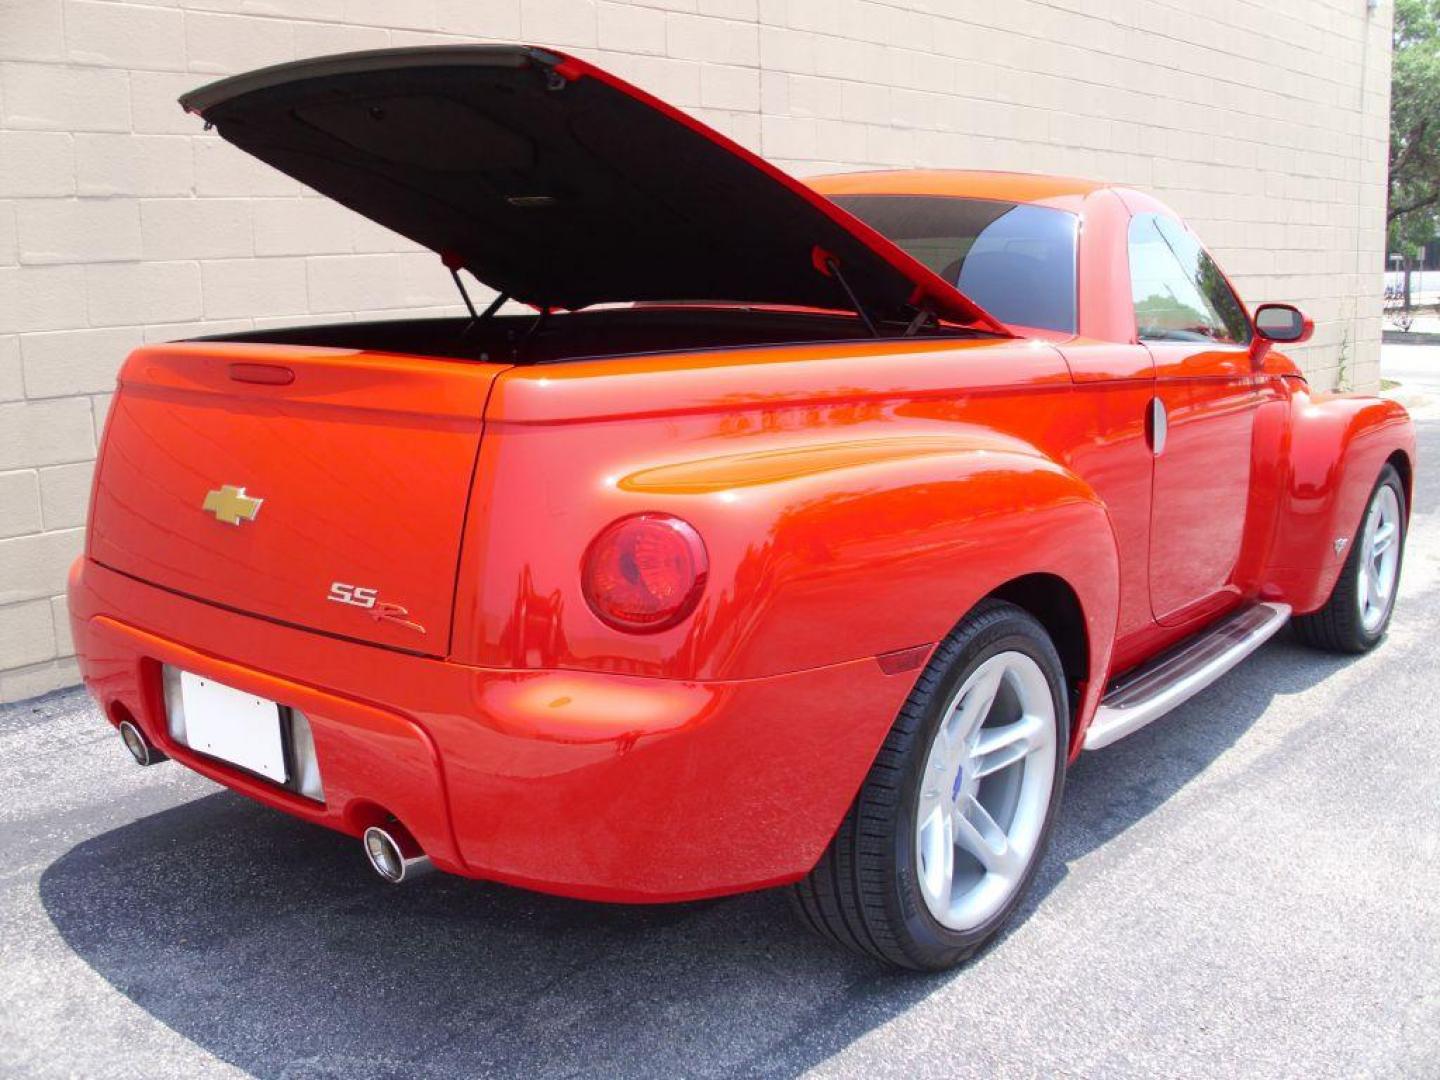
[1015,260]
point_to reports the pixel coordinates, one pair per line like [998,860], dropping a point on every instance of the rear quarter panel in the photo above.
[854,500]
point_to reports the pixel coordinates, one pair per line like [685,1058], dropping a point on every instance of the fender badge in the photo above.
[1340,542]
[368,600]
[231,505]
[395,613]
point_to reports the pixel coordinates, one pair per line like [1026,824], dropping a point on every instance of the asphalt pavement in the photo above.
[1248,887]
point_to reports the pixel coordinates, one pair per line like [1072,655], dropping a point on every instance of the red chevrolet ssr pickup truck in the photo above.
[796,535]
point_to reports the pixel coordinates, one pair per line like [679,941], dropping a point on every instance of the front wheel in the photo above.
[951,823]
[1358,612]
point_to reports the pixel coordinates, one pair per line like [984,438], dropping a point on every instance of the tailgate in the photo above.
[326,488]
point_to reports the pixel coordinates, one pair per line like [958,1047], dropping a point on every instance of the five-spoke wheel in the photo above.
[1379,557]
[949,827]
[1356,615]
[985,790]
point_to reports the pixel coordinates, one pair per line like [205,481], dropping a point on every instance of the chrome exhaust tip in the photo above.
[395,856]
[140,747]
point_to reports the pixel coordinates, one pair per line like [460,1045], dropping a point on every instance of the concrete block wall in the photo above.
[122,222]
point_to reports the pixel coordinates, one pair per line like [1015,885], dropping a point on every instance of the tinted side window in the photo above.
[1178,290]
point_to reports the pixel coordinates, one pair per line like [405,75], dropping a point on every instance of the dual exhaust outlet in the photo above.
[391,851]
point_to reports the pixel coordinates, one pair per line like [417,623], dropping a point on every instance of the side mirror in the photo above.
[1283,324]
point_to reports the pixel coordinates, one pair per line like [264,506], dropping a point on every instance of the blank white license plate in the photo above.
[233,726]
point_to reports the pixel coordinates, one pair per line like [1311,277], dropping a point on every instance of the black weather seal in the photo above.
[832,268]
[361,63]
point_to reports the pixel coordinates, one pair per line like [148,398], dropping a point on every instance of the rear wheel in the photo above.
[950,825]
[1358,612]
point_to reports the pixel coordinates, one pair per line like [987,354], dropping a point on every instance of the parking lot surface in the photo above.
[1249,887]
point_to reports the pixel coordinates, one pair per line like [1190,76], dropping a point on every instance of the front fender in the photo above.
[1338,445]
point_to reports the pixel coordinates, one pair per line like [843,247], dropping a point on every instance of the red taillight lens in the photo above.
[644,573]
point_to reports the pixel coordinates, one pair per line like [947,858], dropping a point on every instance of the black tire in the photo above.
[864,893]
[1338,627]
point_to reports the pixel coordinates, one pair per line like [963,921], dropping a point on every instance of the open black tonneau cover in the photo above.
[560,185]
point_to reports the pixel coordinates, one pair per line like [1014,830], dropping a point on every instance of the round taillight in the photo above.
[644,573]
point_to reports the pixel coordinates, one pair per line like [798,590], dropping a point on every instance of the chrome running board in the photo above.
[1152,690]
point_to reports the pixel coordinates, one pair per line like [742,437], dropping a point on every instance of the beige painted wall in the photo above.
[1263,121]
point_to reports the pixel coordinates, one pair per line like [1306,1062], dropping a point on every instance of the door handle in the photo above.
[1158,426]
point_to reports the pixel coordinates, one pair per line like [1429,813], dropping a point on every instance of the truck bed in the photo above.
[627,331]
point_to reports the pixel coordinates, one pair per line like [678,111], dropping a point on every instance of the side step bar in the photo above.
[1150,691]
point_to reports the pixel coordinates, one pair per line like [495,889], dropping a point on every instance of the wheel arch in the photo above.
[1055,604]
[1402,465]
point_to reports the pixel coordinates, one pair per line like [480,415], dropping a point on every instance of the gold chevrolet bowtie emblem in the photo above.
[231,505]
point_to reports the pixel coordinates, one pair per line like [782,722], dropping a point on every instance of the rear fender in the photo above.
[820,552]
[904,539]
[1339,444]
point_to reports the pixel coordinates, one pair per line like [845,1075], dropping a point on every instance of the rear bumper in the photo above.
[600,786]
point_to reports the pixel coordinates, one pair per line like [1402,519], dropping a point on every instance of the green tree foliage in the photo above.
[1414,125]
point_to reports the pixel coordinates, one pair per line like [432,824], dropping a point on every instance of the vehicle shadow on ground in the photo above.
[269,944]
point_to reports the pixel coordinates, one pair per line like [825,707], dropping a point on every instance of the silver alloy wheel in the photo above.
[985,790]
[1379,559]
